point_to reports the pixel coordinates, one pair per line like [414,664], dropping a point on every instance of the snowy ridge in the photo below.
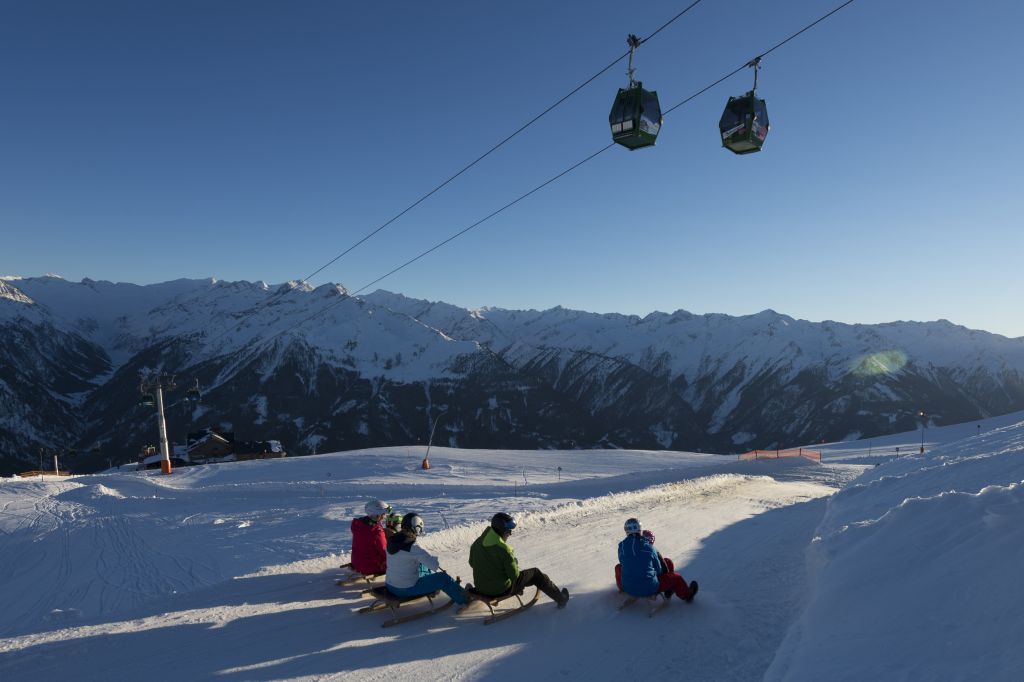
[12,293]
[693,344]
[684,344]
[14,304]
[317,368]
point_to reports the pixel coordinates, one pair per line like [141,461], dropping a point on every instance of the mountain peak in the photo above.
[13,293]
[295,285]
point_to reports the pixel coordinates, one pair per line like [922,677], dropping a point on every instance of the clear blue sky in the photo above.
[146,141]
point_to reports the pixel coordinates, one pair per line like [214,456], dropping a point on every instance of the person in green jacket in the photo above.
[496,571]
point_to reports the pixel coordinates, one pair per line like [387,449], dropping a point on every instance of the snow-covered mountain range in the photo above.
[319,369]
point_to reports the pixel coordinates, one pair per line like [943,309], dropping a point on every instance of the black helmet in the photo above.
[502,524]
[413,522]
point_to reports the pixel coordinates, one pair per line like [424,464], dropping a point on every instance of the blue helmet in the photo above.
[633,527]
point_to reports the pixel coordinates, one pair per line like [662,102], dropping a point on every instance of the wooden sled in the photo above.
[356,576]
[383,599]
[491,601]
[656,602]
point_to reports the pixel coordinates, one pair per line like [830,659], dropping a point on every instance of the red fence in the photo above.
[775,454]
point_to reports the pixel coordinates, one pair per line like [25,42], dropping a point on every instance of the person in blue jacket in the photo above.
[642,570]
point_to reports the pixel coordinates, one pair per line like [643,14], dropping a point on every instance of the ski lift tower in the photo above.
[923,417]
[152,389]
[426,455]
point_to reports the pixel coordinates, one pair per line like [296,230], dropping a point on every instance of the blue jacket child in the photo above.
[642,571]
[641,566]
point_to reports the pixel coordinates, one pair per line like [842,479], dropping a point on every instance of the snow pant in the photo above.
[674,582]
[432,583]
[669,568]
[534,577]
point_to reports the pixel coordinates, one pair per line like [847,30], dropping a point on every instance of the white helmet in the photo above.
[632,527]
[413,522]
[377,508]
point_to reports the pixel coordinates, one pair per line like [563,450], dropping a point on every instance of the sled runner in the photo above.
[490,602]
[385,600]
[355,576]
[656,602]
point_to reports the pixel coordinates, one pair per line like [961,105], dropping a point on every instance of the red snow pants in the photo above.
[669,580]
[675,582]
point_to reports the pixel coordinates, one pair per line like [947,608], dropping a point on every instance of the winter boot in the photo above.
[564,600]
[693,591]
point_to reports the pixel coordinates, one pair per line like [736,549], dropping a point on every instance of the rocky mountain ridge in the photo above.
[321,370]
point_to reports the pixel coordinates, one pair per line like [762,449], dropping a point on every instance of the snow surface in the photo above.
[862,567]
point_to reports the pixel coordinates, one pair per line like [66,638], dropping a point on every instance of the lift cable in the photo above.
[495,147]
[757,58]
[347,295]
[259,306]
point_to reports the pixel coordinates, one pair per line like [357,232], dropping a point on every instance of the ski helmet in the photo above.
[377,508]
[632,527]
[502,524]
[412,522]
[649,536]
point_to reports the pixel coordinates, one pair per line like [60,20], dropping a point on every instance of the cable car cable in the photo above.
[763,54]
[345,296]
[353,294]
[480,158]
[499,144]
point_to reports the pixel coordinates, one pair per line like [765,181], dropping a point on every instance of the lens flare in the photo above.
[876,364]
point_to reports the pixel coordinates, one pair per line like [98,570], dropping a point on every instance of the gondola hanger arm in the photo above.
[755,64]
[633,43]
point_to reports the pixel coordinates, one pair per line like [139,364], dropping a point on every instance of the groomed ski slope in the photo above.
[227,572]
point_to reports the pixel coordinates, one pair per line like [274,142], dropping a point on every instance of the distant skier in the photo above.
[369,546]
[495,569]
[412,570]
[642,571]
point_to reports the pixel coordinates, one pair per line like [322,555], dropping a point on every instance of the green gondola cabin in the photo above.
[635,117]
[744,124]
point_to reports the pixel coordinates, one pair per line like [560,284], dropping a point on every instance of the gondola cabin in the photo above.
[744,124]
[635,117]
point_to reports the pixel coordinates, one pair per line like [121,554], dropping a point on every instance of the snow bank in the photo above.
[915,572]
